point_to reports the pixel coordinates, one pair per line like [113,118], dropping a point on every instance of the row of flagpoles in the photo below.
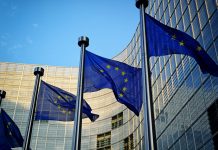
[96,72]
[149,136]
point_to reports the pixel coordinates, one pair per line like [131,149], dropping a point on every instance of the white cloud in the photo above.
[3,43]
[13,7]
[17,46]
[3,40]
[13,10]
[35,25]
[4,36]
[29,40]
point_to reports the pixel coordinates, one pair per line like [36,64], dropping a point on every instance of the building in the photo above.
[185,100]
[113,130]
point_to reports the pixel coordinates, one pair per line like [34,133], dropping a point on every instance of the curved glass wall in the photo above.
[185,100]
[116,128]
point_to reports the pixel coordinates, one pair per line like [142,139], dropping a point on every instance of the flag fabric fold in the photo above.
[10,136]
[56,104]
[163,40]
[123,79]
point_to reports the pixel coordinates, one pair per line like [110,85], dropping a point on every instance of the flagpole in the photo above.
[149,124]
[2,95]
[83,42]
[38,72]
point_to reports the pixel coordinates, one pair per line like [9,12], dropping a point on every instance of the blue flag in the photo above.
[124,80]
[164,40]
[10,136]
[56,104]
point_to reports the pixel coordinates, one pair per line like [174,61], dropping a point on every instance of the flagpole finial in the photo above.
[83,40]
[39,70]
[2,93]
[140,2]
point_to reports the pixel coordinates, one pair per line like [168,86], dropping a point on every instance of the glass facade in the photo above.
[18,82]
[182,95]
[184,100]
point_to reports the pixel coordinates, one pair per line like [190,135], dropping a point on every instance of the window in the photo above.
[192,9]
[128,143]
[186,19]
[213,22]
[117,120]
[104,141]
[207,36]
[203,16]
[211,7]
[195,27]
[184,5]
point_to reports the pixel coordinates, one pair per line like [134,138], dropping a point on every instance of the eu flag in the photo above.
[56,104]
[164,40]
[124,80]
[10,136]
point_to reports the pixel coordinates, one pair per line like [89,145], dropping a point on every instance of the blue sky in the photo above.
[47,31]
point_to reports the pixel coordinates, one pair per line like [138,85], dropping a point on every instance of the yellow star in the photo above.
[116,68]
[9,123]
[66,97]
[174,37]
[124,89]
[59,97]
[120,95]
[125,80]
[64,111]
[108,66]
[69,112]
[55,101]
[101,70]
[199,48]
[123,73]
[59,106]
[181,43]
